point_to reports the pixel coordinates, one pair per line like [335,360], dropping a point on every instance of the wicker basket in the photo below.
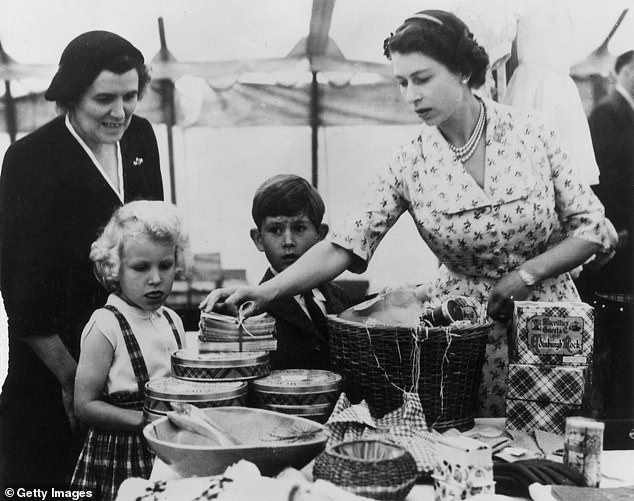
[376,363]
[370,468]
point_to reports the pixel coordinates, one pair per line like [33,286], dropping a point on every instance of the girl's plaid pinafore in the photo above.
[110,456]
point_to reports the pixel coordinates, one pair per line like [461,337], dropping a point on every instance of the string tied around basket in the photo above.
[378,363]
[422,334]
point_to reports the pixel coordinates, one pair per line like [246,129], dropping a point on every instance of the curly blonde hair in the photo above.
[159,221]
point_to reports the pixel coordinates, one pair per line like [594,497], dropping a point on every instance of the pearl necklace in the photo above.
[465,152]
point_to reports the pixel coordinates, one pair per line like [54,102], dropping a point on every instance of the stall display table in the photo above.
[617,468]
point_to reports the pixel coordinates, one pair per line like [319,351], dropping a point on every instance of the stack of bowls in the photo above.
[226,333]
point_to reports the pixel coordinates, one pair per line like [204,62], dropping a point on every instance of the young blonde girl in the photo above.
[127,342]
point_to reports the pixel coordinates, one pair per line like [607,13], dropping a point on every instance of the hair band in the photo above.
[426,17]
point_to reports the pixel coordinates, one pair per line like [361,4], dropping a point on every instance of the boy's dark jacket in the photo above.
[299,343]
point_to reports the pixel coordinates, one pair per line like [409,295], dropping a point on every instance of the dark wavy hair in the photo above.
[444,37]
[119,65]
[287,195]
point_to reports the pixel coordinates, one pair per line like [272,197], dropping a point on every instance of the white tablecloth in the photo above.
[617,469]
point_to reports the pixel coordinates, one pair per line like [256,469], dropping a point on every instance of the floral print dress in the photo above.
[531,197]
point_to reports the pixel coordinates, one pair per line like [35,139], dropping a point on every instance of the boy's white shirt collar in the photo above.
[626,95]
[317,294]
[118,190]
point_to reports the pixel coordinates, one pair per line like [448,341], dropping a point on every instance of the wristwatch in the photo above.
[528,278]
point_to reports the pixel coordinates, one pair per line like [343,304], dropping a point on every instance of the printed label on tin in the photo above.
[555,335]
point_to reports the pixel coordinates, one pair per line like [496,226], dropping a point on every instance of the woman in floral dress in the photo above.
[486,185]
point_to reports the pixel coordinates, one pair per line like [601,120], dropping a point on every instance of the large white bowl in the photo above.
[271,440]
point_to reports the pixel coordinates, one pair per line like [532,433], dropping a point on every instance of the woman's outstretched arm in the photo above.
[321,263]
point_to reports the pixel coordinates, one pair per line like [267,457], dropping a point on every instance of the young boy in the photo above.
[288,213]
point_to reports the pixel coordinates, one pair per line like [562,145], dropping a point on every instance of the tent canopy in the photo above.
[223,38]
[226,66]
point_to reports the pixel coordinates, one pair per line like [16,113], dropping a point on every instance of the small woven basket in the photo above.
[445,364]
[370,468]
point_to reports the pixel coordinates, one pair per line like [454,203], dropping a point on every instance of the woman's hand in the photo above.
[228,300]
[510,288]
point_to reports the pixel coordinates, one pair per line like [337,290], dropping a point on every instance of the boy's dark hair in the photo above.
[287,195]
[622,60]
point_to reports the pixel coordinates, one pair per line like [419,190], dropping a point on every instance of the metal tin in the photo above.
[149,416]
[160,393]
[583,445]
[298,387]
[320,412]
[192,365]
[444,314]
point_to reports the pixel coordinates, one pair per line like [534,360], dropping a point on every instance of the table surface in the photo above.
[617,469]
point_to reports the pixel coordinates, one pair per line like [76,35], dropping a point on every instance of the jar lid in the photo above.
[173,388]
[188,356]
[298,381]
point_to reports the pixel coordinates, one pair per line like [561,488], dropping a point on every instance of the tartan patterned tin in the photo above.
[542,396]
[195,366]
[319,413]
[297,387]
[547,383]
[160,393]
[528,415]
[552,333]
[306,392]
[149,416]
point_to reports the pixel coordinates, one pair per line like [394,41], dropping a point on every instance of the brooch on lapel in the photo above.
[137,161]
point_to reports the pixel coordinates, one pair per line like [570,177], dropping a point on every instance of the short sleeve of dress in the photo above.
[102,323]
[385,199]
[581,213]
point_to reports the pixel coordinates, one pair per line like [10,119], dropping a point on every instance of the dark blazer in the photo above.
[53,203]
[612,129]
[299,344]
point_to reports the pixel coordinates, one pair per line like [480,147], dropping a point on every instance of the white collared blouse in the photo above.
[531,195]
[153,333]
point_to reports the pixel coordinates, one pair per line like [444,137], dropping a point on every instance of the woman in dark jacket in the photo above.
[58,187]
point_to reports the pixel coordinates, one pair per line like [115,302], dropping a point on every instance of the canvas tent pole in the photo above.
[9,103]
[10,117]
[314,129]
[316,43]
[166,91]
